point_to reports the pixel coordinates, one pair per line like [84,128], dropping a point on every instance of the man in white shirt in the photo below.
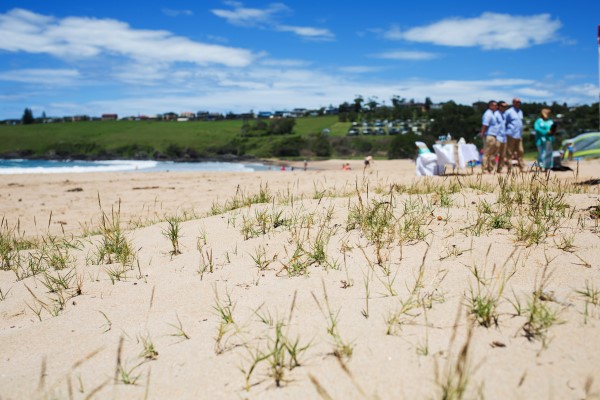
[488,132]
[514,128]
[501,136]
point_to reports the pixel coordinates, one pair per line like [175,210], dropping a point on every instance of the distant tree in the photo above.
[278,126]
[287,146]
[261,125]
[27,117]
[459,120]
[282,126]
[321,146]
[428,103]
[358,103]
[372,103]
[403,146]
[345,107]
[397,101]
[581,119]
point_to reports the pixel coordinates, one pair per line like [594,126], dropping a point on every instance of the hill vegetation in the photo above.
[308,137]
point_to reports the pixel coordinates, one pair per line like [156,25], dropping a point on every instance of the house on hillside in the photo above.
[282,114]
[169,116]
[332,110]
[214,116]
[264,114]
[109,117]
[298,112]
[247,115]
[189,116]
[202,115]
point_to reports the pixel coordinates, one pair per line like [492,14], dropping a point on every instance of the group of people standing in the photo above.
[502,132]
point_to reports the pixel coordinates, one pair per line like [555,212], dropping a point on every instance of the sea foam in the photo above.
[16,166]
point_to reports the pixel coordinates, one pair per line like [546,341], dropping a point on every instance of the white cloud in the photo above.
[394,33]
[144,74]
[534,92]
[47,77]
[243,16]
[176,13]
[406,55]
[77,37]
[268,18]
[218,39]
[488,31]
[586,89]
[359,69]
[285,63]
[307,32]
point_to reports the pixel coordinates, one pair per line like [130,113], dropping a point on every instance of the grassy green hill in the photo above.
[180,140]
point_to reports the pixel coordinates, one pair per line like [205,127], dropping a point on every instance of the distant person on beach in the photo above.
[368,161]
[569,150]
[514,134]
[488,132]
[501,135]
[305,165]
[544,138]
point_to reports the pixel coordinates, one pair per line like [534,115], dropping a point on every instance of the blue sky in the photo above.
[148,57]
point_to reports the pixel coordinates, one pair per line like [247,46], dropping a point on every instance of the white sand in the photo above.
[74,354]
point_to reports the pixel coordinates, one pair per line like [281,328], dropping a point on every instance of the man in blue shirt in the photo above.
[514,128]
[488,132]
[501,136]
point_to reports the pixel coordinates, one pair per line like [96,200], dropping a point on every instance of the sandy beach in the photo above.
[319,284]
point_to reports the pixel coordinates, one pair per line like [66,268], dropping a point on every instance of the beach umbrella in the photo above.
[585,145]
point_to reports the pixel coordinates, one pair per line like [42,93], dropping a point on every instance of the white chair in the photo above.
[466,153]
[445,155]
[426,161]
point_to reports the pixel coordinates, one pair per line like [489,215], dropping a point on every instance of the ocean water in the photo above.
[61,167]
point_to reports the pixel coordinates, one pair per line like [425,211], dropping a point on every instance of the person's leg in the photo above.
[541,147]
[484,155]
[548,155]
[510,152]
[490,153]
[519,154]
[494,153]
[501,157]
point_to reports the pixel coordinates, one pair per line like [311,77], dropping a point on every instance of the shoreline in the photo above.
[269,163]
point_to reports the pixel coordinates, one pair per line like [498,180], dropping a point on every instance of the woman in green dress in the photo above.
[544,139]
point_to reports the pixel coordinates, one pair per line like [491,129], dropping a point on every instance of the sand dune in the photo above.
[300,284]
